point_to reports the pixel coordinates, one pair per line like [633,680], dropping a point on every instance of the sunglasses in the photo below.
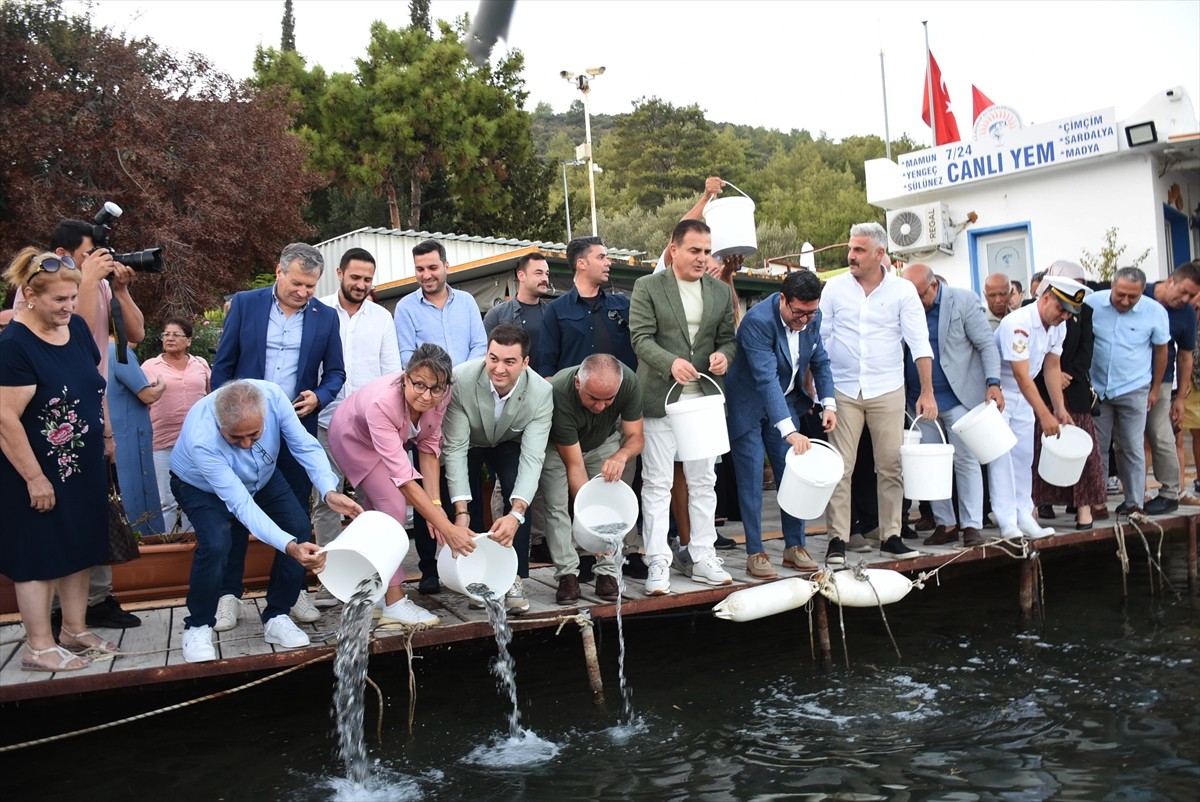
[52,264]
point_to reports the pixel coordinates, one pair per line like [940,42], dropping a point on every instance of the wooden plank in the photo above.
[13,636]
[175,637]
[153,636]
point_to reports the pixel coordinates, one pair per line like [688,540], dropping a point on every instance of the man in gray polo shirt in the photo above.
[596,430]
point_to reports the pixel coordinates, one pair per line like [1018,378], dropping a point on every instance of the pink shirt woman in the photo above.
[369,437]
[185,379]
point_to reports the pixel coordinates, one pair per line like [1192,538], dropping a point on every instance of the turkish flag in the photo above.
[947,126]
[979,101]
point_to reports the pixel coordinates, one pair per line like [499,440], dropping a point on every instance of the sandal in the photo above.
[66,659]
[78,646]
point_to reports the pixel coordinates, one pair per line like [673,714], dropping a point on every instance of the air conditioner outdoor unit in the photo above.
[920,228]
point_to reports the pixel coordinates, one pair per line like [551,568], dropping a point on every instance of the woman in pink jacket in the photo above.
[370,436]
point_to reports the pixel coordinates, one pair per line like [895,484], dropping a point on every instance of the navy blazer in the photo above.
[242,352]
[759,375]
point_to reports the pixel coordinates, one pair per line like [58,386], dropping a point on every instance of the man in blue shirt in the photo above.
[587,320]
[438,314]
[1128,362]
[223,473]
[1175,295]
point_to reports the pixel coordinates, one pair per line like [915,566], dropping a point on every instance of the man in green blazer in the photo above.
[681,325]
[499,416]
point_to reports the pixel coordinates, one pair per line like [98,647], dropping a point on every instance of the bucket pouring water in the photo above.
[928,468]
[373,545]
[809,480]
[1063,457]
[732,222]
[604,514]
[699,424]
[490,564]
[985,432]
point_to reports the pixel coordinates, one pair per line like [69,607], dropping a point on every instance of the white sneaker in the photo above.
[709,571]
[515,601]
[324,599]
[282,631]
[197,644]
[303,609]
[406,611]
[1032,529]
[229,611]
[658,579]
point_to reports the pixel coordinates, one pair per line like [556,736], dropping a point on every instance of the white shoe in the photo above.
[197,644]
[324,599]
[1011,533]
[303,609]
[282,631]
[406,611]
[1033,529]
[658,579]
[515,601]
[709,571]
[229,611]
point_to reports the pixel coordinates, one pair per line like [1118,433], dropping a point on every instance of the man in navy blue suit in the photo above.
[778,342]
[284,335]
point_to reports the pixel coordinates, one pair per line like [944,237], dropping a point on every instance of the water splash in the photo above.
[350,672]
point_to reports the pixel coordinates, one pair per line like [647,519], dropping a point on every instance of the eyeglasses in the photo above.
[52,264]
[262,452]
[802,315]
[167,335]
[422,388]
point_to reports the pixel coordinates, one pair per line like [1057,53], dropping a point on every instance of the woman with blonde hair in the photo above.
[52,460]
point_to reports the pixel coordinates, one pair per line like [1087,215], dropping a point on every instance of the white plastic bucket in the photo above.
[732,223]
[912,435]
[601,503]
[928,469]
[985,432]
[1063,457]
[374,544]
[809,479]
[491,564]
[699,424]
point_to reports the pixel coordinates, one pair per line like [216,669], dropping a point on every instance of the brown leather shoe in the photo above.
[606,587]
[1100,512]
[972,536]
[798,557]
[924,523]
[568,590]
[759,566]
[942,535]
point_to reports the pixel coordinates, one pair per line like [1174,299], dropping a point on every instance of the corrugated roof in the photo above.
[614,253]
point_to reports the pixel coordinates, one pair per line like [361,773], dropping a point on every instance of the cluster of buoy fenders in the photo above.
[862,587]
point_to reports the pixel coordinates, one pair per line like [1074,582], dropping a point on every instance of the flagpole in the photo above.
[887,135]
[929,83]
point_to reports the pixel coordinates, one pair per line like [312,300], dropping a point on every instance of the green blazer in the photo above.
[659,332]
[471,422]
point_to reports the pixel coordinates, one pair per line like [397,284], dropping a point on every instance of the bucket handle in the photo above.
[812,441]
[727,184]
[702,376]
[917,419]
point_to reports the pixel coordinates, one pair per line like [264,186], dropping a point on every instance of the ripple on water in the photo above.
[523,750]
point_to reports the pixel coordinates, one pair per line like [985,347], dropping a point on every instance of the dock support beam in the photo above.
[595,681]
[1029,588]
[822,608]
[1191,554]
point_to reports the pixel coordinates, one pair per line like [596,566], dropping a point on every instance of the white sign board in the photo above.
[1017,151]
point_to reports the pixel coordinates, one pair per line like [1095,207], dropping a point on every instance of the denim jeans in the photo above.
[221,539]
[502,461]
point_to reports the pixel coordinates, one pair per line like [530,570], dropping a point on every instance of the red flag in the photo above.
[947,126]
[980,102]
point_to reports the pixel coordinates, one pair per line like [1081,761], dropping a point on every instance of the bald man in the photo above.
[996,292]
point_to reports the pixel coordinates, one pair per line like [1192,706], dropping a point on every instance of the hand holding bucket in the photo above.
[490,564]
[928,468]
[699,424]
[732,224]
[374,544]
[604,514]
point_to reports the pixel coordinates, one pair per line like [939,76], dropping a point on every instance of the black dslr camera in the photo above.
[148,260]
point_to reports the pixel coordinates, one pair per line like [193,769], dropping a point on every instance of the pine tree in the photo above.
[288,42]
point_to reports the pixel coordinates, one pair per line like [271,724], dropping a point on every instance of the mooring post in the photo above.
[1029,583]
[1191,554]
[588,635]
[822,609]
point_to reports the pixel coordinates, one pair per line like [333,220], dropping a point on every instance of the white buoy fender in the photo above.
[760,601]
[880,587]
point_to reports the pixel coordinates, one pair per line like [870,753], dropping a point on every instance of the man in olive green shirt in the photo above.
[596,429]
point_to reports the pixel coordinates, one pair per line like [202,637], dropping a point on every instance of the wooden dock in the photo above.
[151,655]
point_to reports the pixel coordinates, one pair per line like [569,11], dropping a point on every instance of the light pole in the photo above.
[583,84]
[567,193]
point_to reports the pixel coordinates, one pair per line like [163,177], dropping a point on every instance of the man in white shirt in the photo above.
[369,351]
[867,315]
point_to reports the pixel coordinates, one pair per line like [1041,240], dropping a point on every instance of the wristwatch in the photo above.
[520,518]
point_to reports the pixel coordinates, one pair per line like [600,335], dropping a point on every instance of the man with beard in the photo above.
[529,305]
[438,314]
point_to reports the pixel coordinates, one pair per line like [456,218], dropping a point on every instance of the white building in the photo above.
[1048,191]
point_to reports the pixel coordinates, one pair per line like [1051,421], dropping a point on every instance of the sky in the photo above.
[779,64]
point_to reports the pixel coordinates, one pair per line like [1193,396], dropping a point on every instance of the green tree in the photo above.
[1105,263]
[287,41]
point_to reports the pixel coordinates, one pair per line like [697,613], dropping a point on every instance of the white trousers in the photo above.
[1010,476]
[658,474]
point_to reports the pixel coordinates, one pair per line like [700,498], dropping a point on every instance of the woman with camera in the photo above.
[53,482]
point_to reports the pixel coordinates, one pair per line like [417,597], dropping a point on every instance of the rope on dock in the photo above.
[379,720]
[1154,563]
[584,621]
[168,709]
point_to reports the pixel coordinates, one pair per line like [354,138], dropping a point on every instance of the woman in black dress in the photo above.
[52,465]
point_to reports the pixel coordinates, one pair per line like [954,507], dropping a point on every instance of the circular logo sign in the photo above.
[995,122]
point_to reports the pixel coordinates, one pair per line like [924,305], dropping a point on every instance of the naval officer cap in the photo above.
[1068,292]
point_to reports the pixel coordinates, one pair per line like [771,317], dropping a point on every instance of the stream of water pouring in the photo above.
[350,671]
[626,691]
[503,667]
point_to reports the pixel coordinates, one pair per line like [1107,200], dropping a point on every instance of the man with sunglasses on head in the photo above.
[587,320]
[224,475]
